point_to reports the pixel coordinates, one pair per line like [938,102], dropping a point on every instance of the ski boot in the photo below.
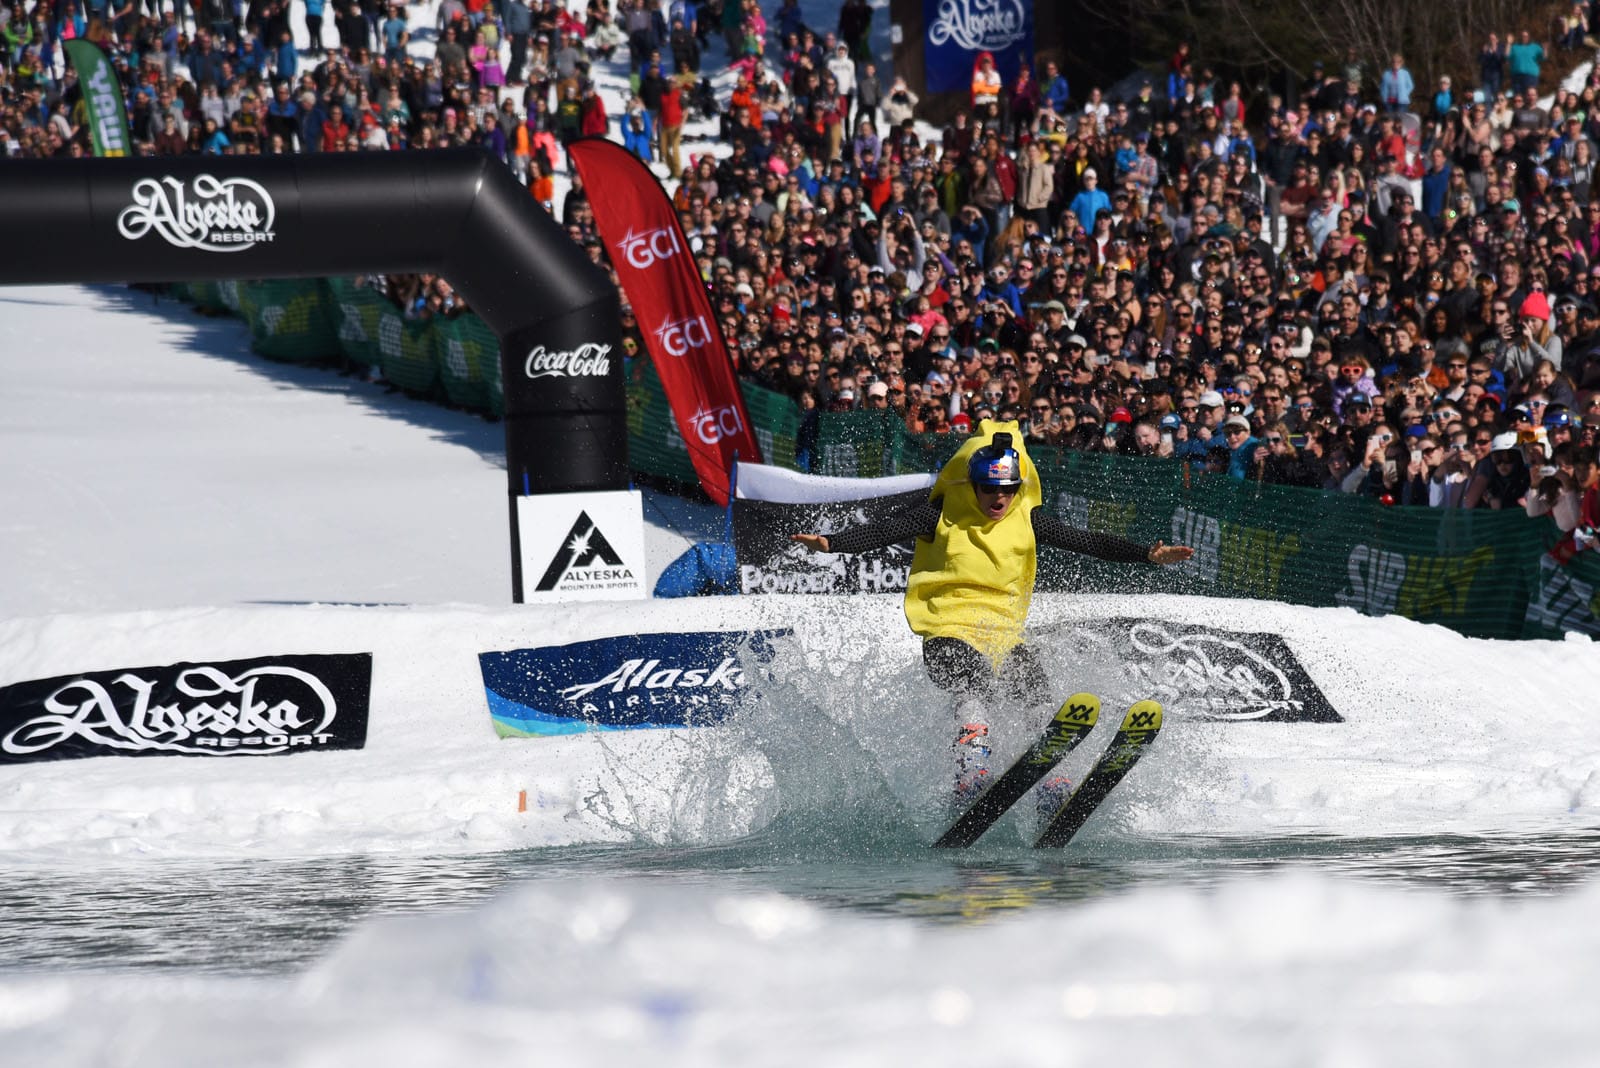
[1049,796]
[971,751]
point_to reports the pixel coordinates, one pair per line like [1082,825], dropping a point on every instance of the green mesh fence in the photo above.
[1482,573]
[654,445]
[468,355]
[354,309]
[289,319]
[207,297]
[406,351]
[776,420]
[656,448]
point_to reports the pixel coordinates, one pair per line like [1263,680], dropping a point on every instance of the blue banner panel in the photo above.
[956,31]
[623,683]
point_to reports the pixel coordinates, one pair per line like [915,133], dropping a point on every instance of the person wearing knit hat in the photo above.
[1528,342]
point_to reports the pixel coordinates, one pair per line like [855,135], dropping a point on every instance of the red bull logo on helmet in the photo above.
[1004,470]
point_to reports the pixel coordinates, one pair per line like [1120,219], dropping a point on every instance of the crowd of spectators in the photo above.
[1372,287]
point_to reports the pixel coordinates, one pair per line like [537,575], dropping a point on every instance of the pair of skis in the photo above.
[1070,726]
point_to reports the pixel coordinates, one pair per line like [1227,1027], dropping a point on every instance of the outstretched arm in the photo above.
[918,521]
[1049,530]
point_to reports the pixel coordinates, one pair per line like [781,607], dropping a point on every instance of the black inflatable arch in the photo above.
[458,214]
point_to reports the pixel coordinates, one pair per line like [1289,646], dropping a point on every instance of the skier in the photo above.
[972,579]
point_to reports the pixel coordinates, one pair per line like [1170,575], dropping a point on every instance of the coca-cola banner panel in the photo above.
[956,32]
[656,267]
[267,706]
[694,679]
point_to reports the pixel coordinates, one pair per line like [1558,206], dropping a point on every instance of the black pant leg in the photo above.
[957,668]
[1022,678]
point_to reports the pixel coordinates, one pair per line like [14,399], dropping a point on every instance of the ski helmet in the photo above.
[1557,415]
[995,466]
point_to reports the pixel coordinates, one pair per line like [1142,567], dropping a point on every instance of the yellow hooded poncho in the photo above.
[974,580]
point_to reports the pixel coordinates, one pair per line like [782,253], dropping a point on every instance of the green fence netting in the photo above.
[656,448]
[354,309]
[1482,573]
[468,355]
[289,319]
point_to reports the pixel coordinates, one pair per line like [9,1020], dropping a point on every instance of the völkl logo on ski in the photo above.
[1070,725]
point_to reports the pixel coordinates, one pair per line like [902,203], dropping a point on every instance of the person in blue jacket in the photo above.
[1091,199]
[1056,90]
[1396,85]
[1242,445]
[314,9]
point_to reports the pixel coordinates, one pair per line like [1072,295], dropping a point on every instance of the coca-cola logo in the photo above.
[265,709]
[642,251]
[978,25]
[681,335]
[589,360]
[209,214]
[712,425]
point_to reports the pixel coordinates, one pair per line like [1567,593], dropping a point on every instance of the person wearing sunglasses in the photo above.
[972,578]
[1353,384]
[1501,479]
[1281,463]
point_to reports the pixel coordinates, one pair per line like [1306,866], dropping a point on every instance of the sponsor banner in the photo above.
[623,683]
[956,31]
[582,546]
[1206,673]
[260,707]
[102,95]
[759,482]
[657,271]
[1564,600]
[204,213]
[769,562]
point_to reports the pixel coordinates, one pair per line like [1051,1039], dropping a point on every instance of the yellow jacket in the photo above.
[974,580]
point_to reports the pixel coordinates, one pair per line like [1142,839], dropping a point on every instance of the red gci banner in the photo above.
[656,268]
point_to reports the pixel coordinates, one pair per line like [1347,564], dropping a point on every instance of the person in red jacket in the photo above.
[592,113]
[336,130]
[670,130]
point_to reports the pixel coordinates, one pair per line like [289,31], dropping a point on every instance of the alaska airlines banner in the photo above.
[260,707]
[632,681]
[656,269]
[956,31]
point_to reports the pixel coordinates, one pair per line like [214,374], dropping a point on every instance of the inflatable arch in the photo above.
[458,214]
